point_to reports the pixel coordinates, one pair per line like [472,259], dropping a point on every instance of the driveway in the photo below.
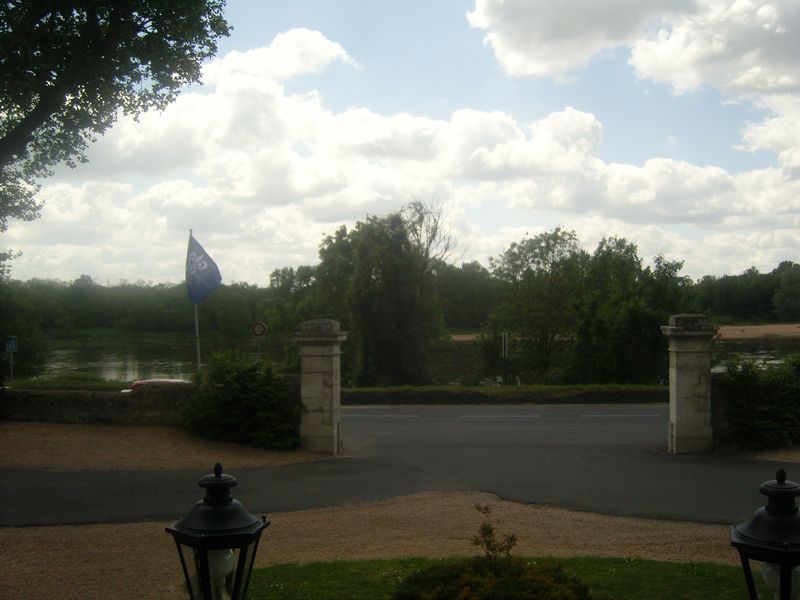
[596,458]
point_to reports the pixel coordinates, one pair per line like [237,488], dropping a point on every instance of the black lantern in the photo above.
[773,537]
[217,542]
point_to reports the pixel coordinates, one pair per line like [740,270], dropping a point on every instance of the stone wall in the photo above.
[154,406]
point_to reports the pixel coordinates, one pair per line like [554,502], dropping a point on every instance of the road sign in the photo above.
[11,343]
[259,329]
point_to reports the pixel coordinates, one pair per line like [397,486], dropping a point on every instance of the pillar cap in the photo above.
[324,331]
[689,324]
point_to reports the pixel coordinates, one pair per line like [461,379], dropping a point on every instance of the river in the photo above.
[147,358]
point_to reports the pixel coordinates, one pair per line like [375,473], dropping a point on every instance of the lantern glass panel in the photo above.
[190,561]
[220,567]
[245,567]
[772,577]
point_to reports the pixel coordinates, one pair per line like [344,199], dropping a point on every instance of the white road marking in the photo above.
[616,416]
[499,416]
[350,415]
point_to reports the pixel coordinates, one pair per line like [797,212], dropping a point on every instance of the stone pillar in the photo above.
[320,384]
[690,339]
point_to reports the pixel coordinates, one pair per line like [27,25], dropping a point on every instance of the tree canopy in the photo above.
[69,67]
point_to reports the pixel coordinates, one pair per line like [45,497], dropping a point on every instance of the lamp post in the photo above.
[773,537]
[217,542]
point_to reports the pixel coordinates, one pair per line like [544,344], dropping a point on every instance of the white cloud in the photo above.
[261,174]
[542,37]
[737,46]
[291,54]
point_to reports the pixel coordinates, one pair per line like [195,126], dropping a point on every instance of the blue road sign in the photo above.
[11,343]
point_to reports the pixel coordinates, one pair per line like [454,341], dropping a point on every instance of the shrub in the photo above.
[481,579]
[494,576]
[763,403]
[241,400]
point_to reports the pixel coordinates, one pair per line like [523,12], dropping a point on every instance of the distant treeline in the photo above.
[570,316]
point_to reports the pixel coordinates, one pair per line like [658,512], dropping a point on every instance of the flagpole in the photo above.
[202,277]
[197,335]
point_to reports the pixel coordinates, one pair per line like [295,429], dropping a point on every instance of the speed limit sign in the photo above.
[259,329]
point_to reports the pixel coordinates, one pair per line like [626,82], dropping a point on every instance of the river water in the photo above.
[147,359]
[144,359]
[766,350]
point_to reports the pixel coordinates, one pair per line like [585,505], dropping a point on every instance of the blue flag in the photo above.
[202,274]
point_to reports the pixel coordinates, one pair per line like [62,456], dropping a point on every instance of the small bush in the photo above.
[763,403]
[482,579]
[241,400]
[494,576]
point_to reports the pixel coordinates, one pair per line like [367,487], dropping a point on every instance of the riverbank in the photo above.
[755,332]
[726,332]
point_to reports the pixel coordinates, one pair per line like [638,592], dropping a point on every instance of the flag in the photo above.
[202,274]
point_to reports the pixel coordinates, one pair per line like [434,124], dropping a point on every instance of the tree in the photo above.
[69,67]
[426,227]
[540,282]
[787,298]
[394,311]
[466,293]
[618,337]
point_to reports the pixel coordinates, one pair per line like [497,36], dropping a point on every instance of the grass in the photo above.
[607,578]
[455,394]
[515,390]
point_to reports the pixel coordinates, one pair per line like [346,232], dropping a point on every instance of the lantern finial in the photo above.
[780,476]
[218,470]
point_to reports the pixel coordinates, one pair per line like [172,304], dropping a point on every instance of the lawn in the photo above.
[607,578]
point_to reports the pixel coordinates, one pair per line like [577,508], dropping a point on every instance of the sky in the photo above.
[674,124]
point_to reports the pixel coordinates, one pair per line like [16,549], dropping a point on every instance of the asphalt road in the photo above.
[599,458]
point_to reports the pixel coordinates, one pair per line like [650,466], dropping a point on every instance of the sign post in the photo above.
[11,347]
[259,329]
[504,343]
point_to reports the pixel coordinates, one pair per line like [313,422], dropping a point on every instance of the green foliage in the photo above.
[540,281]
[467,294]
[481,579]
[608,579]
[394,314]
[241,400]
[68,67]
[747,297]
[494,576]
[787,298]
[486,539]
[618,335]
[19,316]
[508,394]
[763,403]
[572,317]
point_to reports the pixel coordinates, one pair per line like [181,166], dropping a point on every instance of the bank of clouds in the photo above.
[262,172]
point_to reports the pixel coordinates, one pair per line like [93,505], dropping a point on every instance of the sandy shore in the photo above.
[726,332]
[754,332]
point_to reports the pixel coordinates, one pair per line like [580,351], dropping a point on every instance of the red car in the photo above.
[141,383]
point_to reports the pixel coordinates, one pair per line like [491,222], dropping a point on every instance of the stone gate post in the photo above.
[320,384]
[690,337]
